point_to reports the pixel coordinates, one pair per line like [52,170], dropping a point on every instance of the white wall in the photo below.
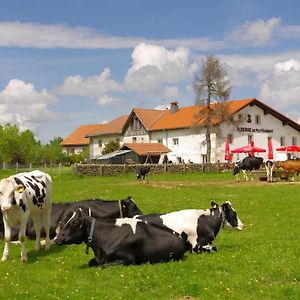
[95,150]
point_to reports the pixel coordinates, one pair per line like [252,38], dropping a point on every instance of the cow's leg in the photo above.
[22,238]
[7,238]
[37,226]
[47,217]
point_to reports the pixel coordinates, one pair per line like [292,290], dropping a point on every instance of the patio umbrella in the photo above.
[248,149]
[227,151]
[270,149]
[289,148]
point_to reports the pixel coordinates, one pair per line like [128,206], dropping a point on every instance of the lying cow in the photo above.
[142,173]
[98,208]
[199,227]
[249,163]
[122,241]
[291,167]
[24,196]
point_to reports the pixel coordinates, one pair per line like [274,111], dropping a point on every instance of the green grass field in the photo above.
[261,262]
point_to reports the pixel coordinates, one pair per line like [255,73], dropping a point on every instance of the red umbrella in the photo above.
[289,148]
[270,149]
[227,151]
[248,149]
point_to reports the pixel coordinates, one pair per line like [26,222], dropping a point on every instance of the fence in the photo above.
[114,169]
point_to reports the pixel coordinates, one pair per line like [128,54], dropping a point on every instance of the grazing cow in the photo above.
[22,196]
[269,165]
[122,241]
[98,208]
[249,163]
[199,227]
[142,173]
[291,167]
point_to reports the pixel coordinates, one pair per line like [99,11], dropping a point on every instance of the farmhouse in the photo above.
[179,130]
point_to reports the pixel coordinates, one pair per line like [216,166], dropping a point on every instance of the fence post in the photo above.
[30,167]
[3,165]
[59,168]
[17,167]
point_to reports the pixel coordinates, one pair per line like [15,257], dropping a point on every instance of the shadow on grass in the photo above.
[33,256]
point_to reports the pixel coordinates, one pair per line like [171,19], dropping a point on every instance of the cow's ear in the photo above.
[214,204]
[20,188]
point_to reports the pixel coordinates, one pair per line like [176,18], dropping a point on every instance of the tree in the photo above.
[212,88]
[111,146]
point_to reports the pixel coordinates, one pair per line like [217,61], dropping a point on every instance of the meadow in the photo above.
[261,262]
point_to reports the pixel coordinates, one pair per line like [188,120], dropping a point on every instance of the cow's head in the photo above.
[11,194]
[129,208]
[230,216]
[73,227]
[236,169]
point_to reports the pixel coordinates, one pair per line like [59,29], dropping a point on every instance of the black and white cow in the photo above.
[142,173]
[199,227]
[123,240]
[97,208]
[24,196]
[249,163]
[269,165]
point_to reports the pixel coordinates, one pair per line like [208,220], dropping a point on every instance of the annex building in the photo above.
[180,130]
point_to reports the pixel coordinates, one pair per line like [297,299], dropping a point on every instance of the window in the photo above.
[230,138]
[250,138]
[240,117]
[282,141]
[160,141]
[294,141]
[71,151]
[134,139]
[249,118]
[257,119]
[175,141]
[100,144]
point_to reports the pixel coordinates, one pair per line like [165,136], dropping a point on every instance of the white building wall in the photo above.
[269,126]
[96,150]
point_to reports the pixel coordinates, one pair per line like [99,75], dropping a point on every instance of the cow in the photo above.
[291,167]
[142,173]
[24,196]
[122,240]
[98,208]
[199,227]
[269,165]
[249,163]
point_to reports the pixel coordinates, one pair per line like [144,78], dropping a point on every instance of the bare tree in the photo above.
[212,88]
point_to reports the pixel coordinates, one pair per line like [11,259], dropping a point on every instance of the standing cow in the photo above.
[22,196]
[249,163]
[269,165]
[122,241]
[199,227]
[143,173]
[291,167]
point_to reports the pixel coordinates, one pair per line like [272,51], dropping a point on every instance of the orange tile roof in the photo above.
[144,149]
[113,127]
[187,116]
[78,136]
[149,116]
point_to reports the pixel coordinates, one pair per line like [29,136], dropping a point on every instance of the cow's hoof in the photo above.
[4,258]
[93,263]
[37,248]
[24,259]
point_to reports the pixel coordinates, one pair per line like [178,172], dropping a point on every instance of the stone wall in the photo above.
[113,169]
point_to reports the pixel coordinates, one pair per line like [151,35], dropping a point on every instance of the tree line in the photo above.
[17,146]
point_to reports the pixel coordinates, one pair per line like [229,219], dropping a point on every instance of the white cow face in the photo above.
[10,194]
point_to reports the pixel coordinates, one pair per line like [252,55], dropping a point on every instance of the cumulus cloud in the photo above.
[106,100]
[23,105]
[257,33]
[154,65]
[94,87]
[282,87]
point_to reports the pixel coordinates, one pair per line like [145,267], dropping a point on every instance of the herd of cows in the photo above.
[117,231]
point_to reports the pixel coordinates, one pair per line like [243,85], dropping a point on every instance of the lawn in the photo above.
[261,262]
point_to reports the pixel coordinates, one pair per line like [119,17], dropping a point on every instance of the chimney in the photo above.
[174,107]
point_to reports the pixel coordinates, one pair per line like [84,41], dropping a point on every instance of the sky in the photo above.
[67,63]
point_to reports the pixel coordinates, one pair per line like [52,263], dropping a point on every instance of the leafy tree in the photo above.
[111,146]
[212,87]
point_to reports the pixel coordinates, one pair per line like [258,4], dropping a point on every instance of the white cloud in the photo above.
[106,100]
[170,92]
[154,65]
[93,87]
[282,87]
[22,105]
[257,33]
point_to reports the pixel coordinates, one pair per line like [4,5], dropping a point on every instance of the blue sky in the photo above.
[72,62]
